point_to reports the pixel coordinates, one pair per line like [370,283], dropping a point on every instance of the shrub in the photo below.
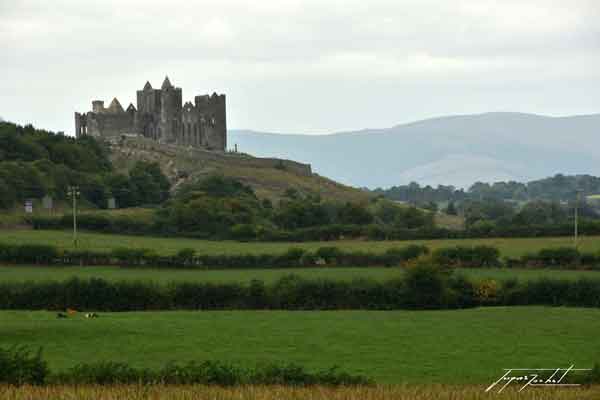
[29,253]
[487,291]
[424,286]
[19,366]
[461,256]
[127,256]
[102,373]
[397,256]
[329,254]
[185,257]
[553,257]
[292,257]
[243,232]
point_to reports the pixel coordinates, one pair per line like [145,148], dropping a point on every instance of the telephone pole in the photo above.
[576,227]
[73,192]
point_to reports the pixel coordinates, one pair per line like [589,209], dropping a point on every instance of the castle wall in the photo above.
[192,132]
[109,125]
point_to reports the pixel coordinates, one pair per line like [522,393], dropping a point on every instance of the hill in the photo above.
[269,177]
[452,150]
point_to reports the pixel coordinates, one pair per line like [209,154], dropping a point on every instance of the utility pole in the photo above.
[576,227]
[73,192]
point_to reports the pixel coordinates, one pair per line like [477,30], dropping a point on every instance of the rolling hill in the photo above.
[269,177]
[457,150]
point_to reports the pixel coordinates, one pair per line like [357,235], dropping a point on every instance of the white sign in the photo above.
[47,202]
[28,206]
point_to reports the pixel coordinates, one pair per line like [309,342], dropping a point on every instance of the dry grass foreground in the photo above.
[400,392]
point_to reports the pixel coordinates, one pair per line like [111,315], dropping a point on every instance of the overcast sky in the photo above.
[303,66]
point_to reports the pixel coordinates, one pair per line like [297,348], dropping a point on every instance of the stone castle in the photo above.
[160,116]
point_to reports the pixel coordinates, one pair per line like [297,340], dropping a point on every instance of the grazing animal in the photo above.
[91,315]
[61,315]
[71,311]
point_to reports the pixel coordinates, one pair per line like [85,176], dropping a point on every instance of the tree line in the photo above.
[424,286]
[558,188]
[35,163]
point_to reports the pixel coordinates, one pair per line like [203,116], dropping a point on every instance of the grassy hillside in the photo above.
[459,347]
[269,178]
[105,242]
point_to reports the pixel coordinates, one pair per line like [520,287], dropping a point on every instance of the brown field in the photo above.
[400,392]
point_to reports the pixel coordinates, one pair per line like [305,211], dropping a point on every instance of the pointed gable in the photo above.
[166,83]
[131,107]
[115,106]
[147,86]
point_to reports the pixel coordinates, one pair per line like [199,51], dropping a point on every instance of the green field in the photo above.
[21,273]
[460,346]
[105,242]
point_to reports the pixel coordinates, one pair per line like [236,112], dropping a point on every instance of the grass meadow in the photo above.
[418,347]
[397,392]
[512,247]
[441,354]
[20,273]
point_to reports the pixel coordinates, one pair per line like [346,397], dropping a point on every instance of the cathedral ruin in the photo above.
[161,116]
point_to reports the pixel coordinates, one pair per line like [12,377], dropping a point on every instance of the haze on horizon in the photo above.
[303,66]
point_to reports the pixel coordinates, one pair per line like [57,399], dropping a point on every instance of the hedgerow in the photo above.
[422,287]
[20,366]
[186,258]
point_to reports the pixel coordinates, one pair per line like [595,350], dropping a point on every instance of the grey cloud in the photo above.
[303,65]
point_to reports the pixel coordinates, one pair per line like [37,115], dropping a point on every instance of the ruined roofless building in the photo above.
[161,116]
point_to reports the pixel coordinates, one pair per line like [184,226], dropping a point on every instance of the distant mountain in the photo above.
[454,150]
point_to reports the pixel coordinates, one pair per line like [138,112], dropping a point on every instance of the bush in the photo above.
[461,256]
[133,257]
[329,254]
[553,257]
[102,373]
[398,256]
[424,287]
[19,366]
[185,257]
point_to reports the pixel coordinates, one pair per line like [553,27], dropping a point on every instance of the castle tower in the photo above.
[170,112]
[148,115]
[213,121]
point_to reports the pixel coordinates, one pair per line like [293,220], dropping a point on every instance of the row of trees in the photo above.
[35,163]
[420,287]
[539,212]
[557,188]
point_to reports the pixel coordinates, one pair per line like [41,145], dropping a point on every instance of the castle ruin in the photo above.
[160,116]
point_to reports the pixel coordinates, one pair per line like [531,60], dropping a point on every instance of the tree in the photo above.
[149,183]
[451,209]
[351,213]
[121,188]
